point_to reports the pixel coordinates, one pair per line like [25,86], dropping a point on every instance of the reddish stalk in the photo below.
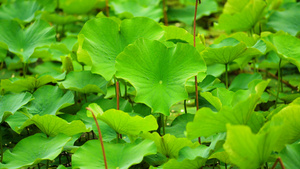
[118,94]
[100,137]
[196,80]
[280,162]
[107,8]
[165,13]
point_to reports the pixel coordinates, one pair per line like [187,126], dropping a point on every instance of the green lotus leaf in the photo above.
[50,99]
[173,33]
[23,11]
[24,42]
[29,83]
[206,8]
[224,52]
[58,19]
[287,46]
[3,51]
[10,103]
[241,16]
[103,45]
[290,156]
[17,121]
[242,80]
[221,155]
[248,150]
[120,156]
[240,110]
[150,9]
[185,164]
[123,123]
[77,6]
[33,149]
[169,145]
[52,125]
[290,117]
[177,127]
[84,82]
[159,73]
[286,20]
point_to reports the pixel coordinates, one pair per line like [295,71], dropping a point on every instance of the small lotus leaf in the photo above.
[242,80]
[50,99]
[247,150]
[24,42]
[177,127]
[103,45]
[84,82]
[159,73]
[10,103]
[120,156]
[169,145]
[77,6]
[33,149]
[139,8]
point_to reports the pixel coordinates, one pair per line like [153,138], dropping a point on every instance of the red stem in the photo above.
[118,94]
[165,13]
[280,162]
[196,81]
[100,137]
[107,8]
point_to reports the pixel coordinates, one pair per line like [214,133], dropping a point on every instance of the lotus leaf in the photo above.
[33,149]
[24,42]
[159,73]
[103,45]
[290,156]
[120,156]
[84,82]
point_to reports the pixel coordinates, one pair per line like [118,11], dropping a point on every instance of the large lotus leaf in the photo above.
[247,150]
[123,123]
[58,18]
[159,73]
[20,10]
[169,145]
[120,156]
[103,45]
[77,6]
[287,20]
[50,99]
[241,15]
[29,83]
[185,164]
[177,127]
[206,8]
[290,117]
[84,82]
[10,103]
[139,8]
[287,46]
[224,52]
[17,121]
[290,156]
[33,149]
[206,122]
[24,42]
[175,34]
[52,125]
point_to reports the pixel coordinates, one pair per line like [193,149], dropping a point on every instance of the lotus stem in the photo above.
[117,93]
[280,162]
[107,8]
[279,83]
[226,75]
[47,164]
[24,69]
[165,13]
[100,137]
[196,81]
[185,109]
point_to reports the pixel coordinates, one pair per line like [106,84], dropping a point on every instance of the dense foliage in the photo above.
[132,64]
